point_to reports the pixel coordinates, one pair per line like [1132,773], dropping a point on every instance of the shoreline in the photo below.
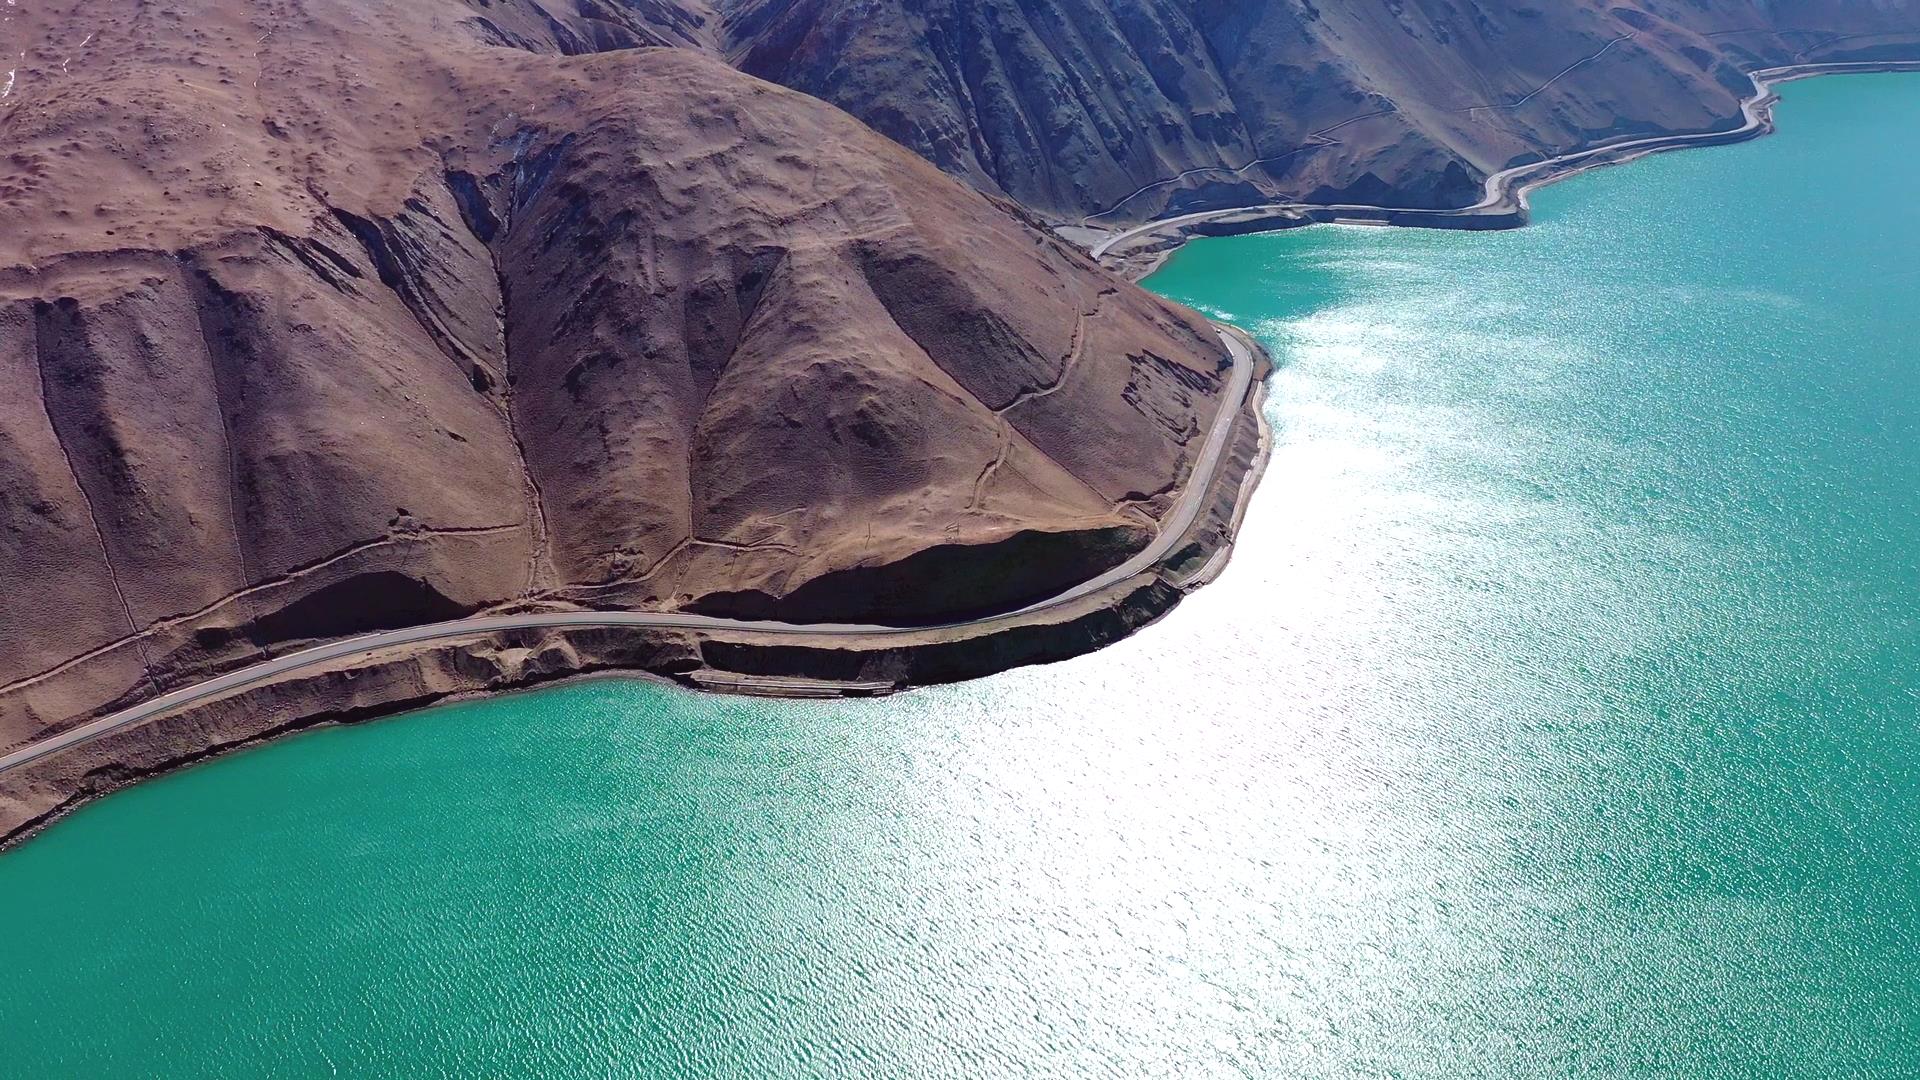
[383,680]
[1139,251]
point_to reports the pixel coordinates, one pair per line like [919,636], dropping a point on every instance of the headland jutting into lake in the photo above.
[386,672]
[102,753]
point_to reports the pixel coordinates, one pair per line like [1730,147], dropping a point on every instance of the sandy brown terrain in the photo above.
[323,316]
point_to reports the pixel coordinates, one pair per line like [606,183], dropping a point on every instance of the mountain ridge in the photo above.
[338,322]
[1073,107]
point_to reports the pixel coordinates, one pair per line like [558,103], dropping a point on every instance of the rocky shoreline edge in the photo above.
[1139,251]
[402,679]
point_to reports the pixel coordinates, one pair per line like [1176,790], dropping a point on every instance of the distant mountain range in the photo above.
[1073,107]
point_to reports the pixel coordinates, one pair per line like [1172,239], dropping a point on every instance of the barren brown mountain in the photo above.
[1090,107]
[330,315]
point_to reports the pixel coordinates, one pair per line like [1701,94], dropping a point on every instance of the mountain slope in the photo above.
[1082,107]
[322,315]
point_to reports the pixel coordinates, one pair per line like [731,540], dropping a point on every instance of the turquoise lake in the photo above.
[1559,716]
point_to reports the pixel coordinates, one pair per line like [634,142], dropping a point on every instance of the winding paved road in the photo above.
[1508,187]
[1192,503]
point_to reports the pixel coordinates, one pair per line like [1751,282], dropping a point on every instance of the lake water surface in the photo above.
[1558,717]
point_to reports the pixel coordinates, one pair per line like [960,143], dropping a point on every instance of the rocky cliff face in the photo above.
[1124,111]
[318,316]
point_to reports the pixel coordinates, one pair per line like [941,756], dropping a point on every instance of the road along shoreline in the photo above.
[1504,204]
[380,674]
[398,671]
